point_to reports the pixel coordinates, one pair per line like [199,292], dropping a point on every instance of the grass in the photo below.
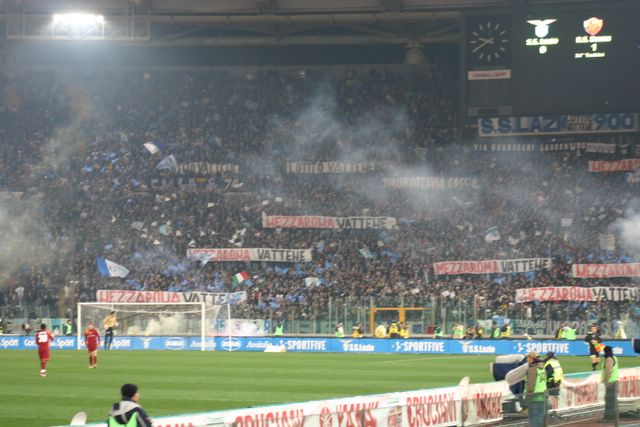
[183,382]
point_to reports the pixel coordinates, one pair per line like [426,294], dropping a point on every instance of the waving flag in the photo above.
[153,148]
[492,235]
[168,163]
[110,269]
[240,277]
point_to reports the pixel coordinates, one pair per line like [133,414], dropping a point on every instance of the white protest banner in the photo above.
[604,271]
[590,391]
[129,296]
[579,393]
[419,408]
[564,146]
[329,167]
[427,408]
[629,384]
[482,403]
[205,168]
[577,294]
[430,182]
[328,222]
[601,147]
[250,254]
[410,409]
[492,266]
[624,165]
[590,147]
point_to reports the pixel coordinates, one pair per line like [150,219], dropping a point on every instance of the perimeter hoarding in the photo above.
[330,345]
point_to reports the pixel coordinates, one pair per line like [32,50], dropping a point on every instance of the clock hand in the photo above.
[490,41]
[481,45]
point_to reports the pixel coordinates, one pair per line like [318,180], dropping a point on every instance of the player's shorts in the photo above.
[44,355]
[593,351]
[92,348]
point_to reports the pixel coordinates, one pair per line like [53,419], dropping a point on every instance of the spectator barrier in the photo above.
[463,405]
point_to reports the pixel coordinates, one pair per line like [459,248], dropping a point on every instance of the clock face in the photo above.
[488,42]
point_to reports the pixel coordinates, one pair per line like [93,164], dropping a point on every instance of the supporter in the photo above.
[86,187]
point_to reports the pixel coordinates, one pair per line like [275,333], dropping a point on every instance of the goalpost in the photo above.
[157,319]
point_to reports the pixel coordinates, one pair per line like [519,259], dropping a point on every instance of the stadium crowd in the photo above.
[77,183]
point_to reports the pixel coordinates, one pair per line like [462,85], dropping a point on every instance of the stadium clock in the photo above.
[488,41]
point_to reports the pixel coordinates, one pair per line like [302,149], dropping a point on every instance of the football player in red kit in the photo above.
[43,338]
[92,341]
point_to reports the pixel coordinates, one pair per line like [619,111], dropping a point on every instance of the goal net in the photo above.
[152,319]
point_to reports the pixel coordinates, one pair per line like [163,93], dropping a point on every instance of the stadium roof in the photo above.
[261,22]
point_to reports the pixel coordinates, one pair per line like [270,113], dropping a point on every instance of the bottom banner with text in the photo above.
[472,404]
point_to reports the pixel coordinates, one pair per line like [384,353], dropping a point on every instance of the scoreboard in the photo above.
[552,61]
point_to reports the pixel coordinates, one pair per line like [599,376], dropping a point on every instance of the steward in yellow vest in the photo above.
[458,331]
[356,331]
[610,379]
[505,332]
[570,332]
[555,374]
[438,332]
[495,331]
[279,331]
[128,412]
[404,330]
[536,377]
[393,330]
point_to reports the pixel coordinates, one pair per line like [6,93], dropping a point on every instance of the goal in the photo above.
[153,319]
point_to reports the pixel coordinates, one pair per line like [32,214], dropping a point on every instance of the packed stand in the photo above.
[81,185]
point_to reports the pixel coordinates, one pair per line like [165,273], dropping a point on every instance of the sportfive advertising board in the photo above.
[329,345]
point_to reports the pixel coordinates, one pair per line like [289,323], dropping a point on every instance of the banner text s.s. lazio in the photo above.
[558,124]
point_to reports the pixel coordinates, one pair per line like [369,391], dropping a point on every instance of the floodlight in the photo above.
[77,19]
[77,25]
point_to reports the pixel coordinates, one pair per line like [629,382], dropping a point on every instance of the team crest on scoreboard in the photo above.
[593,25]
[541,26]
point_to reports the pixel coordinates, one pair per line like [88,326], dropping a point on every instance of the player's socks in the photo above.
[43,366]
[593,366]
[95,361]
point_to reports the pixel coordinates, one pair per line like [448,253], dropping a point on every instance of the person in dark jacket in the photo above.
[128,412]
[594,340]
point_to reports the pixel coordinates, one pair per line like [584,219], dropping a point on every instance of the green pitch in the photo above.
[189,381]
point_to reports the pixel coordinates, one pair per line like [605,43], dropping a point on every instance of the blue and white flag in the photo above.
[152,147]
[110,269]
[492,235]
[168,163]
[366,253]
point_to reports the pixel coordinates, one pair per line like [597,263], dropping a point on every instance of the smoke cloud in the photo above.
[162,325]
[629,229]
